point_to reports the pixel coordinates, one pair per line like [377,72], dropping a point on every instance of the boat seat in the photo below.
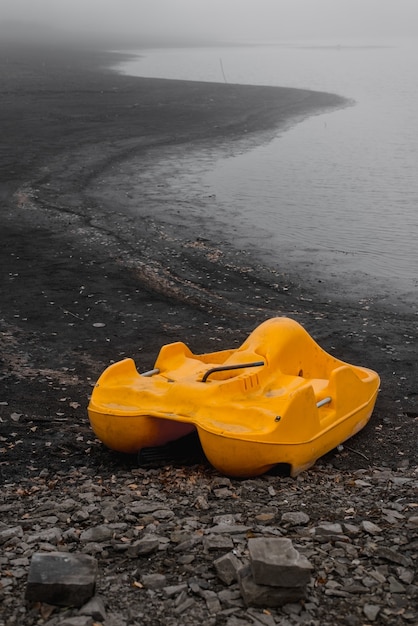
[319,385]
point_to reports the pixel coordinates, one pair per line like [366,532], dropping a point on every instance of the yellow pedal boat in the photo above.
[278,398]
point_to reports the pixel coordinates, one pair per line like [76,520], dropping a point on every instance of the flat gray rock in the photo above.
[254,594]
[275,562]
[61,578]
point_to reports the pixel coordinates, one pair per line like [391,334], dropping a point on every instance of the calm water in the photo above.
[336,195]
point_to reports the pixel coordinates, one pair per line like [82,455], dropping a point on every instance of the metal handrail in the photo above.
[224,368]
[326,400]
[151,372]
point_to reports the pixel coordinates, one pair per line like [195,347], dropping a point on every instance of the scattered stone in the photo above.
[230,597]
[236,621]
[174,590]
[217,542]
[276,562]
[295,518]
[154,581]
[328,529]
[369,527]
[163,559]
[97,533]
[229,529]
[405,575]
[412,522]
[61,578]
[227,567]
[147,545]
[95,608]
[393,555]
[14,532]
[212,600]
[266,595]
[395,586]
[261,619]
[188,603]
[49,535]
[141,507]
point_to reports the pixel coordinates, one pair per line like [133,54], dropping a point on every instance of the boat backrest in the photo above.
[288,348]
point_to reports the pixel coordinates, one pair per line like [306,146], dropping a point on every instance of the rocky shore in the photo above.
[93,271]
[166,541]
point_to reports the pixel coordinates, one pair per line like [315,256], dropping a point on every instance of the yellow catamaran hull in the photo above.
[278,398]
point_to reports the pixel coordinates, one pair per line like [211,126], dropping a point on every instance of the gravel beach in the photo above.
[95,268]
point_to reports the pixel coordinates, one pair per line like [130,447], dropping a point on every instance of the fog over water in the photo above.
[226,20]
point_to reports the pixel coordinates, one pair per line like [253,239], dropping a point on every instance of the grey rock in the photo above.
[400,480]
[141,507]
[295,518]
[328,529]
[227,518]
[110,514]
[276,562]
[412,522]
[181,597]
[230,597]
[227,567]
[351,529]
[223,492]
[405,575]
[93,548]
[212,600]
[201,503]
[395,586]
[217,542]
[370,528]
[146,545]
[186,559]
[97,534]
[254,594]
[95,608]
[163,514]
[61,578]
[154,581]
[188,544]
[184,606]
[393,556]
[115,619]
[230,529]
[49,535]
[13,532]
[261,619]
[80,516]
[237,621]
[174,590]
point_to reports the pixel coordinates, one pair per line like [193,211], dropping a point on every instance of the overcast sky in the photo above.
[227,19]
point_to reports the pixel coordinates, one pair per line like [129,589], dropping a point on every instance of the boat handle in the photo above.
[326,400]
[224,368]
[151,372]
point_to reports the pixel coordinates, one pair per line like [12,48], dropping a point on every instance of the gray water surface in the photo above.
[336,195]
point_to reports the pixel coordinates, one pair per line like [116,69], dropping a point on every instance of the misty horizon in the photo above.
[201,21]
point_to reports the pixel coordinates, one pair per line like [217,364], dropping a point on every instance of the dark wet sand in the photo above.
[94,268]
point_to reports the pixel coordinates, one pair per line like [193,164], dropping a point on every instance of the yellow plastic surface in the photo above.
[248,419]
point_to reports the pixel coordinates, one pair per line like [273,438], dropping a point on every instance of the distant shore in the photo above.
[95,268]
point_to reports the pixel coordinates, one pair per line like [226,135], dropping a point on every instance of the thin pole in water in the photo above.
[222,70]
